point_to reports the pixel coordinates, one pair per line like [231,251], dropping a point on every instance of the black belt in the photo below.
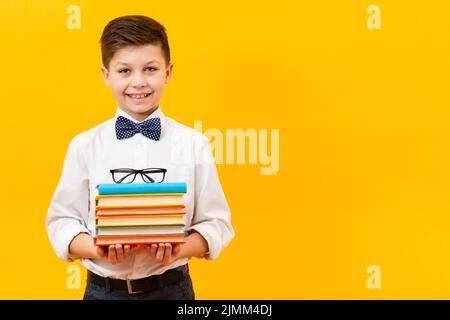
[150,283]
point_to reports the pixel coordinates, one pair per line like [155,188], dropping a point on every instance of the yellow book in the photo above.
[139,221]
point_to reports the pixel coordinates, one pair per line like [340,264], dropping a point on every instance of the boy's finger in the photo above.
[153,249]
[126,250]
[119,252]
[167,253]
[100,251]
[160,252]
[112,257]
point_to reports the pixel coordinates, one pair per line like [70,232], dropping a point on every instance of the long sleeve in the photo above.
[212,218]
[70,203]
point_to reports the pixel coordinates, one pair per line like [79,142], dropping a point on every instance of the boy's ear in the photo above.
[169,70]
[105,74]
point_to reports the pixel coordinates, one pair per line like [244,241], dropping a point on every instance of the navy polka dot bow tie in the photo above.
[125,128]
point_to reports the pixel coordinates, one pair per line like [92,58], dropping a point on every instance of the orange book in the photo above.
[138,210]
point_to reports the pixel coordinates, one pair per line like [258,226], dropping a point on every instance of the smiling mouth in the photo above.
[138,96]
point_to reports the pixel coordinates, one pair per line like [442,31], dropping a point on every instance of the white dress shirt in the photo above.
[184,152]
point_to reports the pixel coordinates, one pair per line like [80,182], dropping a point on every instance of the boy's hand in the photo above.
[166,253]
[114,254]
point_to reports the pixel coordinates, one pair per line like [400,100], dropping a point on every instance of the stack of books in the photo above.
[139,213]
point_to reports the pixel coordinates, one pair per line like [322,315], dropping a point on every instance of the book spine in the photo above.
[141,188]
[108,243]
[176,224]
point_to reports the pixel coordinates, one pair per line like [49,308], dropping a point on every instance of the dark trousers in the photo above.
[181,290]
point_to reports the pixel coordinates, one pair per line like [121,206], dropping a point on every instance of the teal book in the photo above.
[141,188]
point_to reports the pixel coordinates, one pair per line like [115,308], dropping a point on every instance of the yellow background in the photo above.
[363,116]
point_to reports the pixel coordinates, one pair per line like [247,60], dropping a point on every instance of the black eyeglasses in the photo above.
[149,175]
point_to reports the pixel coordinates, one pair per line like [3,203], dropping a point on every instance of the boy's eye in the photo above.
[124,70]
[151,68]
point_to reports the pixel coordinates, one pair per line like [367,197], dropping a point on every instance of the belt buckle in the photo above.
[130,288]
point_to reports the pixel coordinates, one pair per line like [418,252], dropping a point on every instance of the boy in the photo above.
[136,66]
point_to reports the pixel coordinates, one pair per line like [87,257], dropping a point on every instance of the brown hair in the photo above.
[134,30]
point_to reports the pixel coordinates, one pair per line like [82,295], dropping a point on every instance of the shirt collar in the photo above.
[156,114]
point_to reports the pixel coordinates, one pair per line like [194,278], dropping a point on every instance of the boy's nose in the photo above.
[138,81]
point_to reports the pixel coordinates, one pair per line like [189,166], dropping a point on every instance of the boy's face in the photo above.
[137,76]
